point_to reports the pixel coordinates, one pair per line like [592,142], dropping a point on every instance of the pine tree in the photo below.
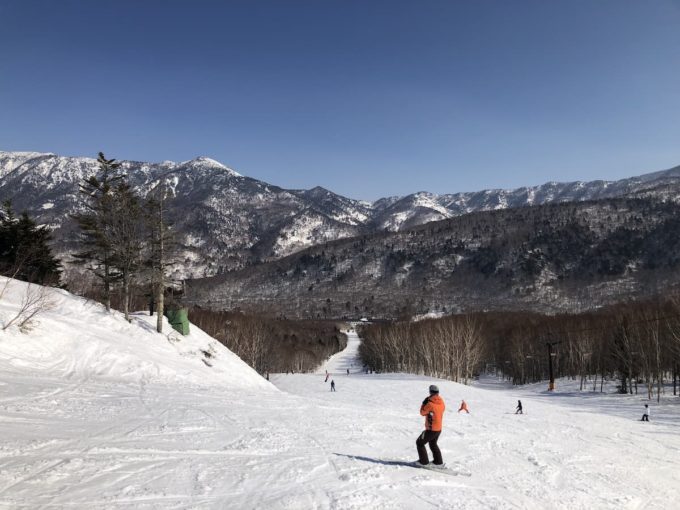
[96,224]
[127,238]
[25,253]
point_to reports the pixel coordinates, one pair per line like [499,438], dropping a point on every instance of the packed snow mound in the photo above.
[78,339]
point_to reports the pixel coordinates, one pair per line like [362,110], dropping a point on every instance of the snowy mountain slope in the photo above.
[125,443]
[338,208]
[228,221]
[76,339]
[550,258]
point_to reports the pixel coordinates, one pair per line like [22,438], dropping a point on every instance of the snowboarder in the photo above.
[433,409]
[463,407]
[332,385]
[645,415]
[519,407]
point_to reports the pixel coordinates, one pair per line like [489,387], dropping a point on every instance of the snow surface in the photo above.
[99,413]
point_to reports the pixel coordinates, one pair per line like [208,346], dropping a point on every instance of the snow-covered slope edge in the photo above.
[78,339]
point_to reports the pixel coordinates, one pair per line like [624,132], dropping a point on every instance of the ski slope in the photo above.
[99,413]
[347,359]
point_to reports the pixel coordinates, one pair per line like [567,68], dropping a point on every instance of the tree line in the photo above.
[636,344]
[272,345]
[451,347]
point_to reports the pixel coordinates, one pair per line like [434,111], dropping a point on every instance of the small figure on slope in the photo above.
[645,414]
[332,385]
[348,371]
[326,377]
[463,407]
[433,409]
[519,407]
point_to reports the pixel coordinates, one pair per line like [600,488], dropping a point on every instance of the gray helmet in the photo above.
[434,388]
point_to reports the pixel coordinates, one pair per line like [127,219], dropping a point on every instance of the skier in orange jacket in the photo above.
[463,407]
[433,409]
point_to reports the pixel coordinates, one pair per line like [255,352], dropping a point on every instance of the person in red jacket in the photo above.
[433,409]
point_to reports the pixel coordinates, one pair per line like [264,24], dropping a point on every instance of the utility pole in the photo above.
[551,384]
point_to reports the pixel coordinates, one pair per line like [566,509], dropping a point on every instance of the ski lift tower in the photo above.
[551,355]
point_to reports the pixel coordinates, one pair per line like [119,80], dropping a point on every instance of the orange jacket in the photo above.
[433,410]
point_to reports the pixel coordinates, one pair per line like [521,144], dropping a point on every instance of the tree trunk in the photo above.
[107,288]
[160,291]
[159,308]
[126,295]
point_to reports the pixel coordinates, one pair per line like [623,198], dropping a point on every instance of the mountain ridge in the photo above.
[227,221]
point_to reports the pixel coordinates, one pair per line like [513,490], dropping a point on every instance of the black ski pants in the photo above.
[645,417]
[431,437]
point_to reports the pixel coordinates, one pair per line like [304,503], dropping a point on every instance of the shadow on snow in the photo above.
[377,461]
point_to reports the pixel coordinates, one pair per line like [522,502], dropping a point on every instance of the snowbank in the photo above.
[78,339]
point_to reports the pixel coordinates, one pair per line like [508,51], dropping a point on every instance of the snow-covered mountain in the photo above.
[99,413]
[398,213]
[228,221]
[552,258]
[224,220]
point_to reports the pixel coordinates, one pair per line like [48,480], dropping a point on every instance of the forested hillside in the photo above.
[557,257]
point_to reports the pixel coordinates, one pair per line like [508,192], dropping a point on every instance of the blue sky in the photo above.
[366,98]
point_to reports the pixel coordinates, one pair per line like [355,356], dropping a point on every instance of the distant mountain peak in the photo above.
[318,189]
[206,162]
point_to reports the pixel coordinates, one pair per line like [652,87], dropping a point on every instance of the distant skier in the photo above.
[519,407]
[348,371]
[645,415]
[332,385]
[433,408]
[463,407]
[326,377]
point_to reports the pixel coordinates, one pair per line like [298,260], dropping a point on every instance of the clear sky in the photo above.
[366,98]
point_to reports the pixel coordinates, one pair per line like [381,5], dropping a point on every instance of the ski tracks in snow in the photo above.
[113,445]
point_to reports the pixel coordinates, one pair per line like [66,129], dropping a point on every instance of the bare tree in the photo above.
[473,346]
[35,300]
[160,244]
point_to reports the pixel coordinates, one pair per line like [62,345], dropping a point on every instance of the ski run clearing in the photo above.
[98,413]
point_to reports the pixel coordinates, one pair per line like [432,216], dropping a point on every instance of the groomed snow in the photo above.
[98,413]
